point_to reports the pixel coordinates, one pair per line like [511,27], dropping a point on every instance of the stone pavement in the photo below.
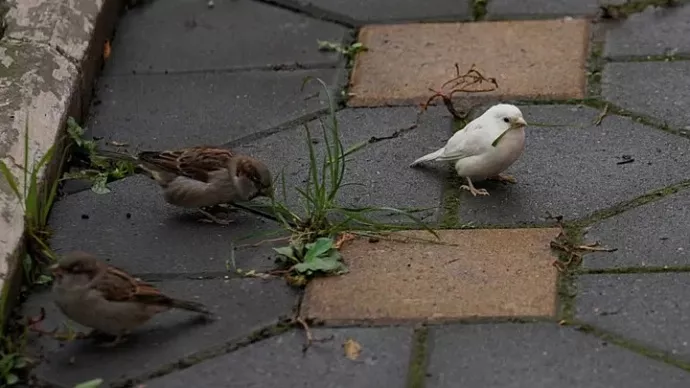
[488,308]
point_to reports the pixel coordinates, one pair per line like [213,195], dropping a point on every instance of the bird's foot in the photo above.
[474,191]
[223,207]
[213,219]
[503,178]
[106,340]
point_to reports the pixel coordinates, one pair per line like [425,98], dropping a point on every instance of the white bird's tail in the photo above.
[432,156]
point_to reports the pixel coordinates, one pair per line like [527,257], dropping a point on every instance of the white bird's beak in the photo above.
[520,122]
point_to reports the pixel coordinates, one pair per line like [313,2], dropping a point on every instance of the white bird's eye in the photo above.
[506,120]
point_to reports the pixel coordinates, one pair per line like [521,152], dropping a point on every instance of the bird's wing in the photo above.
[469,141]
[193,162]
[118,286]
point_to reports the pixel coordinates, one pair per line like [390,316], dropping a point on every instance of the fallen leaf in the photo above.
[106,50]
[352,349]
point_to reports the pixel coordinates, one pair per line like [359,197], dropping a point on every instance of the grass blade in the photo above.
[11,180]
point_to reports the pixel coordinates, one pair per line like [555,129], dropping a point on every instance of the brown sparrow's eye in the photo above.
[505,119]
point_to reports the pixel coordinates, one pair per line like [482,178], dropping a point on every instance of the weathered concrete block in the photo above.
[49,56]
[37,83]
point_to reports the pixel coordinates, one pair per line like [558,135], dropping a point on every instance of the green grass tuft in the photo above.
[313,246]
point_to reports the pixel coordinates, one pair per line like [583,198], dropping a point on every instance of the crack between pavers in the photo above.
[650,197]
[479,9]
[266,332]
[313,12]
[631,345]
[283,67]
[647,58]
[213,275]
[644,119]
[419,358]
[631,270]
[613,110]
[290,124]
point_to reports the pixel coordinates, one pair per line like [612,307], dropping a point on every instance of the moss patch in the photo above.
[416,373]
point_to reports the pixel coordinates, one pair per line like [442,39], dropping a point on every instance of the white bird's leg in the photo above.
[474,191]
[212,218]
[505,178]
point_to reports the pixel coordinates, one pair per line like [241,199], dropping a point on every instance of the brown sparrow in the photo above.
[107,299]
[204,176]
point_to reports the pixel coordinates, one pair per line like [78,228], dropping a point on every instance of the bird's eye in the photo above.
[505,119]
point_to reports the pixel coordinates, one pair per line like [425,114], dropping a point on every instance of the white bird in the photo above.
[486,147]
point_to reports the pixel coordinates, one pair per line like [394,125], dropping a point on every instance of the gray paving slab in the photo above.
[649,309]
[656,31]
[653,235]
[169,111]
[380,170]
[396,10]
[242,305]
[510,9]
[538,355]
[571,168]
[134,228]
[279,362]
[656,89]
[187,35]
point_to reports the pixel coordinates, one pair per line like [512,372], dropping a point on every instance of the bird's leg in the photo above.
[212,218]
[474,191]
[118,340]
[503,178]
[102,338]
[226,207]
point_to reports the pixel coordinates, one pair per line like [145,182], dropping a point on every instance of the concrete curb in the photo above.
[50,54]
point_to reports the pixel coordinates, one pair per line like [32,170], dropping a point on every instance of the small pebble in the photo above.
[128,215]
[84,216]
[211,4]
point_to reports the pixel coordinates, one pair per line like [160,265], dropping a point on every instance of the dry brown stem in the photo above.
[473,81]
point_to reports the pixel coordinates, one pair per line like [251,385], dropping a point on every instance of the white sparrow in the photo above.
[107,299]
[486,146]
[204,176]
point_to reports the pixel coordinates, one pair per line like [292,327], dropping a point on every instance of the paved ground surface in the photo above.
[181,73]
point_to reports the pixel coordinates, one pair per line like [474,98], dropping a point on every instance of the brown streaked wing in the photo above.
[193,162]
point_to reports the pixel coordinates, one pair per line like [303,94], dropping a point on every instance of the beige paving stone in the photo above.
[482,273]
[529,59]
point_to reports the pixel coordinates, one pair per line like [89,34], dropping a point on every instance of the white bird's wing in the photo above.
[472,140]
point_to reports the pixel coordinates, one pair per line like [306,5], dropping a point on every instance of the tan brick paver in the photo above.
[529,59]
[482,273]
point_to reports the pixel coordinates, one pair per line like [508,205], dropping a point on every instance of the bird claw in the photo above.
[474,191]
[503,178]
[213,219]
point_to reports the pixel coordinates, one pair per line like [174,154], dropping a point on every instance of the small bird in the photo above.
[107,299]
[203,176]
[486,147]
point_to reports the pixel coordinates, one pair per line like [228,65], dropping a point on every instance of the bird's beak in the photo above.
[520,122]
[56,270]
[267,192]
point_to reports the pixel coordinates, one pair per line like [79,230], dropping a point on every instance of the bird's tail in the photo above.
[117,155]
[188,305]
[432,156]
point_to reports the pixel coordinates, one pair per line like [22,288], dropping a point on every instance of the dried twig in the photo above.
[310,337]
[573,254]
[461,83]
[601,116]
[343,238]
